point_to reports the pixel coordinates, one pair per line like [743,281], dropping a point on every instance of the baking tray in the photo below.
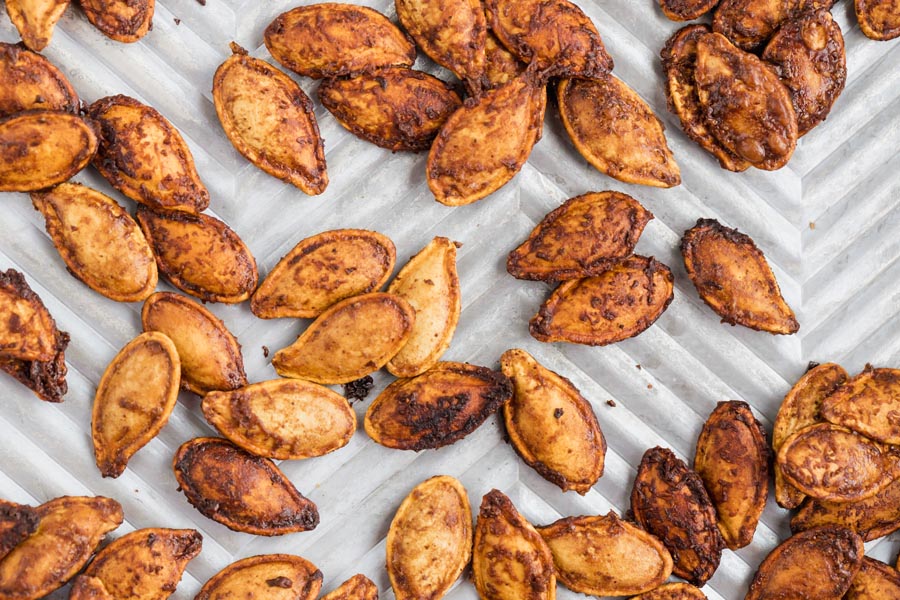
[828,223]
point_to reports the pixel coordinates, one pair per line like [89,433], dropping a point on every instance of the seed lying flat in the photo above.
[28,81]
[874,581]
[270,120]
[273,576]
[121,20]
[878,19]
[872,518]
[36,19]
[430,539]
[867,404]
[27,330]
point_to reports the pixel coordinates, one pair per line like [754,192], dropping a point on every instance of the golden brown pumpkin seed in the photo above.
[39,149]
[679,58]
[800,409]
[322,270]
[612,306]
[616,131]
[121,20]
[282,419]
[210,355]
[872,518]
[134,400]
[200,255]
[553,35]
[746,106]
[69,530]
[36,19]
[272,576]
[358,587]
[605,556]
[451,32]
[395,108]
[17,522]
[733,278]
[430,539]
[510,560]
[749,23]
[686,10]
[878,19]
[437,408]
[732,459]
[270,120]
[241,491]
[482,146]
[832,554]
[583,237]
[28,81]
[833,463]
[27,331]
[332,39]
[430,283]
[670,502]
[874,581]
[99,241]
[673,591]
[868,404]
[500,65]
[143,156]
[552,426]
[809,58]
[146,564]
[353,338]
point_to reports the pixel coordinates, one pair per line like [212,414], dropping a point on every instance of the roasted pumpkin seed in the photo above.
[322,270]
[616,131]
[874,581]
[273,576]
[27,330]
[437,408]
[430,283]
[686,10]
[833,463]
[679,58]
[210,355]
[500,65]
[143,156]
[867,404]
[872,518]
[358,587]
[46,378]
[669,501]
[583,237]
[551,425]
[146,564]
[28,81]
[39,149]
[746,106]
[612,306]
[270,120]
[17,522]
[510,561]
[878,19]
[733,278]
[99,241]
[429,542]
[241,491]
[605,556]
[451,32]
[200,255]
[69,530]
[555,36]
[121,20]
[36,19]
[732,459]
[353,338]
[332,39]
[800,409]
[282,419]
[673,591]
[749,23]
[136,395]
[483,145]
[88,588]
[809,58]
[395,108]
[831,554]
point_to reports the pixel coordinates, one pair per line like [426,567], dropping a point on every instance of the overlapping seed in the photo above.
[28,81]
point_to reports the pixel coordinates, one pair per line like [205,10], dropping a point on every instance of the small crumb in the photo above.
[611,402]
[177,21]
[638,366]
[137,491]
[201,2]
[359,389]
[812,225]
[265,350]
[281,582]
[649,386]
[558,413]
[812,365]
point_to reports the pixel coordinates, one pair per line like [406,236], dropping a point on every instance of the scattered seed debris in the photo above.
[611,402]
[638,366]
[177,21]
[265,350]
[649,386]
[812,225]
[359,389]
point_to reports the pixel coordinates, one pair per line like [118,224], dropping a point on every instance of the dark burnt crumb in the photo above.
[281,582]
[649,386]
[201,2]
[812,365]
[177,21]
[359,389]
[265,350]
[638,366]
[611,402]
[558,413]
